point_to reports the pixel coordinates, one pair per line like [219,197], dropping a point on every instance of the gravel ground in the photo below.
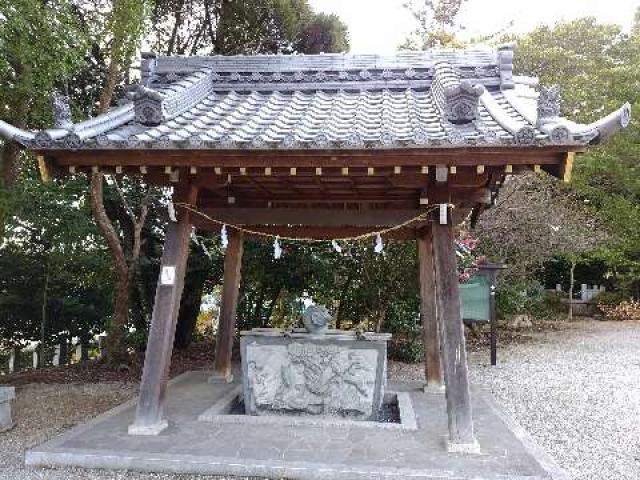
[575,390]
[42,411]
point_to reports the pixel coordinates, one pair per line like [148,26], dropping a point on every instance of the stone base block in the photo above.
[467,448]
[148,430]
[7,395]
[433,388]
[217,378]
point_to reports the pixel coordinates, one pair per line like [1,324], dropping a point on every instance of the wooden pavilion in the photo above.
[325,147]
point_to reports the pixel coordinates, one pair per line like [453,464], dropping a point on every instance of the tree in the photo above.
[54,284]
[535,220]
[324,34]
[190,27]
[118,31]
[437,26]
[598,68]
[41,45]
[126,211]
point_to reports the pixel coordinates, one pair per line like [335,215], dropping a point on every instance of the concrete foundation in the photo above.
[350,450]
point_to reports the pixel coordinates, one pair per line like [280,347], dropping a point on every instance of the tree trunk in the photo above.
[64,351]
[109,86]
[381,317]
[10,165]
[115,348]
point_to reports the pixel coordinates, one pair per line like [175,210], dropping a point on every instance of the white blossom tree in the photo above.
[535,219]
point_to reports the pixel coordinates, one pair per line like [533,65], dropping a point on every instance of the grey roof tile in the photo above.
[408,100]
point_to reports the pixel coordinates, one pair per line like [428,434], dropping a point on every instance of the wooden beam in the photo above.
[330,233]
[228,307]
[454,354]
[149,413]
[315,159]
[428,313]
[322,217]
[567,167]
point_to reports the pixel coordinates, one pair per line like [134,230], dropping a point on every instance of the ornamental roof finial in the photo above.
[549,103]
[61,110]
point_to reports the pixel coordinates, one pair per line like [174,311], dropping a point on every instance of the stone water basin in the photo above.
[333,374]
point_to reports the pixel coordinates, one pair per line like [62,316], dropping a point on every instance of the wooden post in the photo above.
[228,308]
[454,354]
[149,420]
[428,312]
[494,326]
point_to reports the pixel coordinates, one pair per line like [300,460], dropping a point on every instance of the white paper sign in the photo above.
[168,275]
[443,213]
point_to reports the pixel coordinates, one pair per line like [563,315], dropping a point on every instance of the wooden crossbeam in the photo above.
[329,233]
[261,159]
[312,216]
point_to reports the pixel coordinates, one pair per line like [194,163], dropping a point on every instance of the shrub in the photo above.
[402,321]
[618,310]
[406,348]
[528,298]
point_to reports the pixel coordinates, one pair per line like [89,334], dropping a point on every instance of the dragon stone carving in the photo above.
[312,379]
[549,103]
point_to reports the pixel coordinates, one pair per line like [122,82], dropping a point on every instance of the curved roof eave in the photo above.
[444,105]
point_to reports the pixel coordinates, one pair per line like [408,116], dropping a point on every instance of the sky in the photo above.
[379,26]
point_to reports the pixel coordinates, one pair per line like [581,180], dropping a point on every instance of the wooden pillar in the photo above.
[454,355]
[428,313]
[149,419]
[228,308]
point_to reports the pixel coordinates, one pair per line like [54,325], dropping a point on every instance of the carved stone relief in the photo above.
[311,379]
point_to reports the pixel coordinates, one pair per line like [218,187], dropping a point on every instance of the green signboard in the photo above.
[474,299]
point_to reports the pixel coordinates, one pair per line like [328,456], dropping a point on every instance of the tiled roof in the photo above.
[438,99]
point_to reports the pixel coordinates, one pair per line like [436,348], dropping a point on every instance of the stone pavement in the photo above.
[301,451]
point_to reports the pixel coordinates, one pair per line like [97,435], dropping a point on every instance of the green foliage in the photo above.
[598,68]
[365,286]
[437,26]
[528,298]
[323,34]
[126,25]
[55,280]
[248,27]
[402,320]
[610,298]
[41,45]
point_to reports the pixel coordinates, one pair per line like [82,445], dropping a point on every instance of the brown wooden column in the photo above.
[228,307]
[149,419]
[454,354]
[428,313]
